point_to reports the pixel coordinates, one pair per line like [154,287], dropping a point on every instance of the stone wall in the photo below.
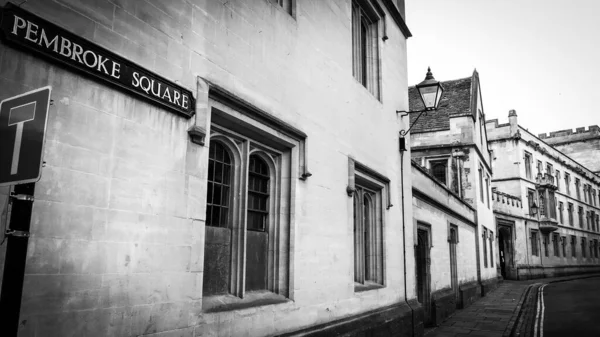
[118,226]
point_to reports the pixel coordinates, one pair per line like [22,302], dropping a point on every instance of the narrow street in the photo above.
[572,308]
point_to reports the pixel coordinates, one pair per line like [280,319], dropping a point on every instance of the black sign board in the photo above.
[30,31]
[23,121]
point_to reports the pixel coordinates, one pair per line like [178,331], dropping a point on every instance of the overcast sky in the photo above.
[539,57]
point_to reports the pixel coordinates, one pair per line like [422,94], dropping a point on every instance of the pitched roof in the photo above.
[456,100]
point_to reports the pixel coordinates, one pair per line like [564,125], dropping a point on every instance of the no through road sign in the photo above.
[22,132]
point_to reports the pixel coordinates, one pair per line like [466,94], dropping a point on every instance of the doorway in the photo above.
[505,251]
[423,275]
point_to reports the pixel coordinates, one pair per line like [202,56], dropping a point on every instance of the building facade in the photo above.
[445,250]
[547,206]
[209,168]
[451,144]
[581,145]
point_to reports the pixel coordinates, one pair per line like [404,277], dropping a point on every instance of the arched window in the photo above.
[258,194]
[219,186]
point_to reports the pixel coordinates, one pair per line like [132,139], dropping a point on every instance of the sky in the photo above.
[539,57]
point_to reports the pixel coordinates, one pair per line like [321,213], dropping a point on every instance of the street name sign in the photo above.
[23,120]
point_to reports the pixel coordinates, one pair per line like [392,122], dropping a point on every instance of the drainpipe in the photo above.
[412,312]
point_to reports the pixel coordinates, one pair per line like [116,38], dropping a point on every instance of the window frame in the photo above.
[533,236]
[364,179]
[528,161]
[573,246]
[567,183]
[555,244]
[366,64]
[431,162]
[570,209]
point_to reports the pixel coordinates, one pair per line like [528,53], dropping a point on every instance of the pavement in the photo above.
[507,311]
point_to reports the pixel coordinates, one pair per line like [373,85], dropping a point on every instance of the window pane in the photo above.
[219,177]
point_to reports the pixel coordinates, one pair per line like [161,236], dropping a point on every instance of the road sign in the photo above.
[23,121]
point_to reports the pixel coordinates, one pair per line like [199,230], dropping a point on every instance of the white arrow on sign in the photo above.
[19,115]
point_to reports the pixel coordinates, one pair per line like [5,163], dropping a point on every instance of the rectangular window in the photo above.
[560,212]
[557,180]
[481,183]
[365,46]
[540,167]
[551,204]
[555,243]
[563,243]
[583,248]
[578,188]
[370,197]
[570,210]
[487,190]
[585,193]
[596,248]
[545,239]
[594,197]
[587,219]
[573,246]
[591,246]
[549,169]
[534,243]
[592,220]
[580,209]
[527,165]
[567,181]
[491,249]
[484,237]
[439,170]
[597,223]
[531,200]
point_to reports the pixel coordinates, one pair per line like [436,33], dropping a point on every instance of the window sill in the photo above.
[359,287]
[229,302]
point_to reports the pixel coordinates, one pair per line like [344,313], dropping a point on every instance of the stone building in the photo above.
[445,249]
[210,167]
[582,145]
[451,144]
[547,206]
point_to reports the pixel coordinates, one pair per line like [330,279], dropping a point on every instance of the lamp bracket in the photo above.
[403,133]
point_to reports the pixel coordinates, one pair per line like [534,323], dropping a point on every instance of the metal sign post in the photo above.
[23,120]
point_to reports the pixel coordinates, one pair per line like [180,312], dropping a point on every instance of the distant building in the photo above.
[445,250]
[451,145]
[546,206]
[581,145]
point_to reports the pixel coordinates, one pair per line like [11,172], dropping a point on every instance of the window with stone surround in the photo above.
[555,239]
[567,182]
[487,189]
[366,16]
[491,238]
[531,199]
[560,212]
[533,236]
[580,211]
[596,248]
[439,169]
[251,172]
[570,211]
[545,239]
[484,241]
[528,161]
[370,197]
[557,179]
[481,182]
[578,188]
[583,248]
[540,167]
[563,243]
[573,246]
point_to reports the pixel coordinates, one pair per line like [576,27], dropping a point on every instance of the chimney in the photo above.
[512,120]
